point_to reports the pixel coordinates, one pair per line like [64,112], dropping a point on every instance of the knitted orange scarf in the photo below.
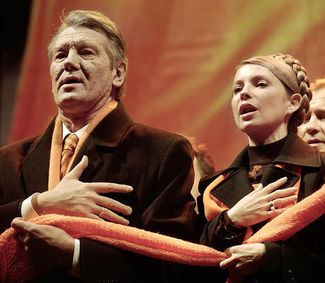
[15,265]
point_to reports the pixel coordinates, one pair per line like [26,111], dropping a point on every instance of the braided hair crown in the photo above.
[303,86]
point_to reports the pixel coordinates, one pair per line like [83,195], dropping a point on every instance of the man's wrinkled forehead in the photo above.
[318,100]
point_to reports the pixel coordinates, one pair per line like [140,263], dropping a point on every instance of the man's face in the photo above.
[312,130]
[81,70]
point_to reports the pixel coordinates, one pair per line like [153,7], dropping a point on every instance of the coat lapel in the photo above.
[236,184]
[35,166]
[103,140]
[296,152]
[274,173]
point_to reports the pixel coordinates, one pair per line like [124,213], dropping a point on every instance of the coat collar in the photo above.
[111,130]
[294,151]
[236,183]
[108,133]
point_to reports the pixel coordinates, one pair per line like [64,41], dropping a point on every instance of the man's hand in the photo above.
[46,245]
[75,198]
[256,206]
[244,259]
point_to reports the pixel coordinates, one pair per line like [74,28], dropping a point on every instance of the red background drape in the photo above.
[181,60]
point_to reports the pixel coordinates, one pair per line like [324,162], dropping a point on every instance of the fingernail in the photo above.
[129,211]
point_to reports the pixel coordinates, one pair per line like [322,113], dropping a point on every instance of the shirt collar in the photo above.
[65,131]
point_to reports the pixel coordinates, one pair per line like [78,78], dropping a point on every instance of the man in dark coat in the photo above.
[119,171]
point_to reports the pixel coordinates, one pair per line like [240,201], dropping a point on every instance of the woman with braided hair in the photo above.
[275,171]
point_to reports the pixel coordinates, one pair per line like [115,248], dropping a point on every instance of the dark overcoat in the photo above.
[157,164]
[302,257]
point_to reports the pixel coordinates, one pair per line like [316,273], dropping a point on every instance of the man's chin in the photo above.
[69,100]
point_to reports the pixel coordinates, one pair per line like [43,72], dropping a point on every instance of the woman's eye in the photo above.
[262,84]
[321,116]
[236,89]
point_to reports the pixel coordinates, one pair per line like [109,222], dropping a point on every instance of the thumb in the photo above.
[19,224]
[76,172]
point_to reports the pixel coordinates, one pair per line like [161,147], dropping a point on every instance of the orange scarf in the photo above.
[15,266]
[56,144]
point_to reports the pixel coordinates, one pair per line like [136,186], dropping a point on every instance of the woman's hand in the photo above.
[262,204]
[243,259]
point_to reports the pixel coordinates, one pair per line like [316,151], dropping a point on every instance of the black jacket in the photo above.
[302,257]
[157,164]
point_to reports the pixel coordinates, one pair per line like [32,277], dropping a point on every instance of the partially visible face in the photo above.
[260,104]
[81,72]
[312,130]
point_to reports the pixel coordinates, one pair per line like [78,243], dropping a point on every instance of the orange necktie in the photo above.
[70,143]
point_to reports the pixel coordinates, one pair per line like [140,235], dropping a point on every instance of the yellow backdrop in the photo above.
[181,55]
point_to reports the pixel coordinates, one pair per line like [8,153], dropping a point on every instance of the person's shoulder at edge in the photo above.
[19,147]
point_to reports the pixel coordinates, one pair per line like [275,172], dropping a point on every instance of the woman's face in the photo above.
[260,104]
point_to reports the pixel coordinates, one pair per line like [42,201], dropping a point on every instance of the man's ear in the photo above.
[119,76]
[295,102]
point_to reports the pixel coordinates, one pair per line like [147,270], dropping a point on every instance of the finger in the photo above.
[228,262]
[284,202]
[275,185]
[93,216]
[76,172]
[102,188]
[114,205]
[22,232]
[113,217]
[23,237]
[283,193]
[276,212]
[32,229]
[20,225]
[259,187]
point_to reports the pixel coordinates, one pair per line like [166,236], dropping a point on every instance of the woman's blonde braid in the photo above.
[304,89]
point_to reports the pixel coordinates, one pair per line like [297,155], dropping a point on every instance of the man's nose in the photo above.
[72,61]
[312,125]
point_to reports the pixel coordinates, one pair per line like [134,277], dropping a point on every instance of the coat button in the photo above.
[291,274]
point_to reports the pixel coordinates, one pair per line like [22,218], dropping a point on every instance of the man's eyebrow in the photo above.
[77,44]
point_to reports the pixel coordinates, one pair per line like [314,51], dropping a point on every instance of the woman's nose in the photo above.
[244,93]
